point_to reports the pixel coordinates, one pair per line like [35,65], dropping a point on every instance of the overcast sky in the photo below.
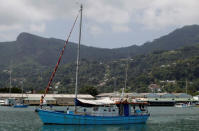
[106,23]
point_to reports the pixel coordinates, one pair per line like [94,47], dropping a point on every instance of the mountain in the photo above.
[44,51]
[29,48]
[186,36]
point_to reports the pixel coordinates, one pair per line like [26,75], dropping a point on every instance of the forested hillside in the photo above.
[155,68]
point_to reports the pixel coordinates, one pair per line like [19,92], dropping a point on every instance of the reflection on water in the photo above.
[128,127]
[161,119]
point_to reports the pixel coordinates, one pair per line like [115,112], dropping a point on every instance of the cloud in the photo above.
[32,15]
[19,12]
[9,28]
[37,27]
[108,12]
[118,15]
[158,14]
[103,12]
[120,28]
[150,14]
[95,30]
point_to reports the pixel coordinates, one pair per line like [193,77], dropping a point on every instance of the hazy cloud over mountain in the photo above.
[103,19]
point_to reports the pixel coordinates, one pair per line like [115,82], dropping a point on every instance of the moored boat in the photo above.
[20,106]
[185,104]
[20,103]
[2,102]
[98,112]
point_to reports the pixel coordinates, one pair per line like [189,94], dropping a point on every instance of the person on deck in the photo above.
[41,101]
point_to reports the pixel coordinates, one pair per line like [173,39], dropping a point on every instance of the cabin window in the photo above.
[95,109]
[113,110]
[84,110]
[104,109]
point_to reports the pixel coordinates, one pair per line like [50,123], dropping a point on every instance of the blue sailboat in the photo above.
[95,112]
[53,117]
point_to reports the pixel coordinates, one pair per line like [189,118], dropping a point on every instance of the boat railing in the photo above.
[140,113]
[96,113]
[110,113]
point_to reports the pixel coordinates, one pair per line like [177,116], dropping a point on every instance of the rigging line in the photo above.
[61,54]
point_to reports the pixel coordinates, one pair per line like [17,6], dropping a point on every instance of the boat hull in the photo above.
[20,106]
[53,117]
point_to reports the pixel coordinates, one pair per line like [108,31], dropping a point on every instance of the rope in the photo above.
[60,57]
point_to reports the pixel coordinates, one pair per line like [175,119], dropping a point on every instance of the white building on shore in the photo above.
[54,99]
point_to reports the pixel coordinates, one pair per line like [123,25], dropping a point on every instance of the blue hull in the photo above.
[53,117]
[20,106]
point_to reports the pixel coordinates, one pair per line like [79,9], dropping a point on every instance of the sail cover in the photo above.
[83,102]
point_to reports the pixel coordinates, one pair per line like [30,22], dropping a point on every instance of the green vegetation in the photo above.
[89,90]
[168,69]
[13,90]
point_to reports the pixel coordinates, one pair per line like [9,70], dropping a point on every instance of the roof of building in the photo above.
[147,95]
[85,96]
[118,94]
[152,95]
[168,95]
[183,95]
[38,98]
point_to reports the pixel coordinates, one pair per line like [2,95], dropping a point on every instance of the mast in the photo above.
[126,71]
[22,88]
[78,54]
[10,82]
[186,85]
[126,75]
[125,82]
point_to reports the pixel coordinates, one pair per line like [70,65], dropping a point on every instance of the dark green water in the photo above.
[161,119]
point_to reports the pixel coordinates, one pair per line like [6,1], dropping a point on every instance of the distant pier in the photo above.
[154,99]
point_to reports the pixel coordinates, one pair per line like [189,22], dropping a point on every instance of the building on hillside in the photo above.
[154,88]
[169,81]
